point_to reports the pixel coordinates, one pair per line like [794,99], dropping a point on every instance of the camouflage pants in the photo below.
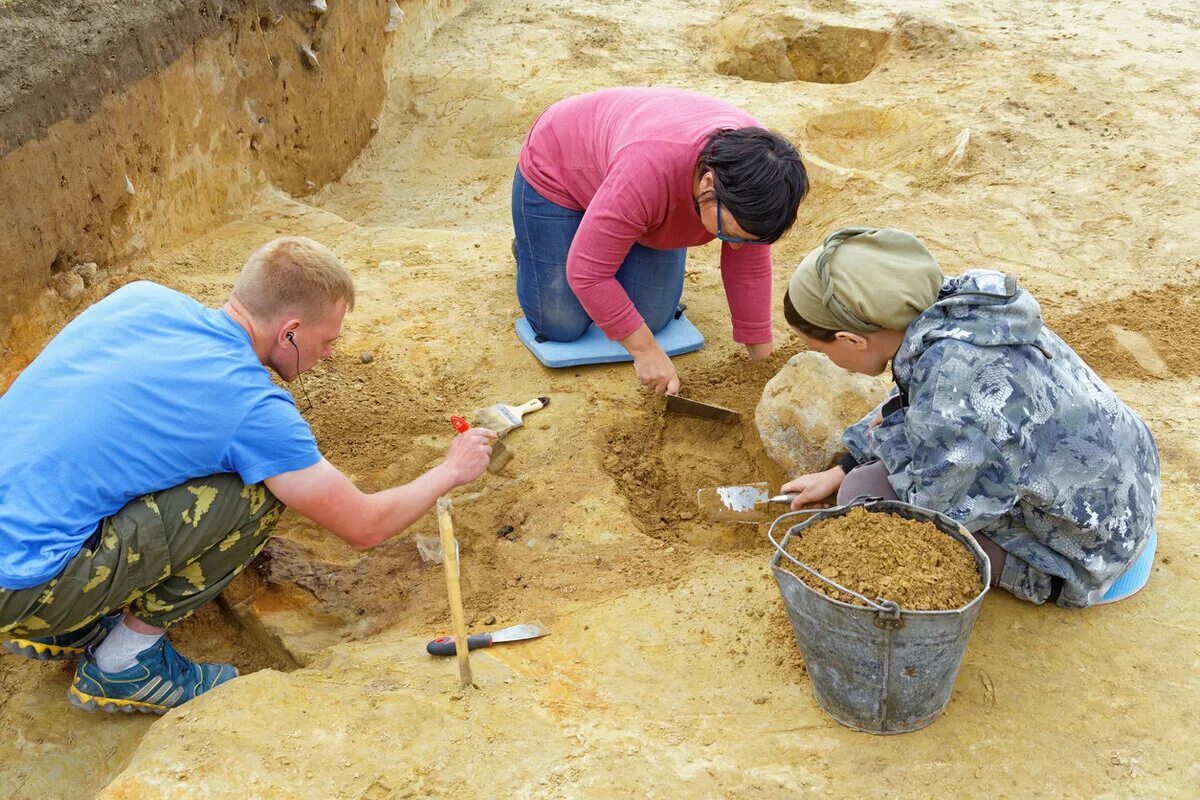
[163,556]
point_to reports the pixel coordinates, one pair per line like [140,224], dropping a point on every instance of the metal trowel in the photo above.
[444,645]
[750,503]
[694,408]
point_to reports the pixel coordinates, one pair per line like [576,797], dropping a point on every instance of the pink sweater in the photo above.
[627,159]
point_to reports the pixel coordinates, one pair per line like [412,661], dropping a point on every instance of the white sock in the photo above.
[120,649]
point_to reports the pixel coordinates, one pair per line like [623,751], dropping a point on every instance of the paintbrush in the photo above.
[501,455]
[502,418]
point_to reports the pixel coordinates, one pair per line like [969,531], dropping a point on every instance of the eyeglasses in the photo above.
[731,239]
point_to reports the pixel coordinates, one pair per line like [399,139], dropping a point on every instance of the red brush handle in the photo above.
[459,424]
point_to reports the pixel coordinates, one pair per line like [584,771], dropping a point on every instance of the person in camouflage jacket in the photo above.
[995,421]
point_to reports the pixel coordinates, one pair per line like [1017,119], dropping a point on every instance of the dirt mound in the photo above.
[1149,333]
[784,48]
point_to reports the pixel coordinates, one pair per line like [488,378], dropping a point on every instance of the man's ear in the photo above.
[854,340]
[287,330]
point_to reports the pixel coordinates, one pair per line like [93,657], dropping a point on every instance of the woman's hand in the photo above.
[652,365]
[814,488]
[760,350]
[655,370]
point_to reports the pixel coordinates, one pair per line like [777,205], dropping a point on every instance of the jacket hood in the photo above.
[981,307]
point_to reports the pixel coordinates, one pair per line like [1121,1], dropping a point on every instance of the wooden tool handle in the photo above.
[533,405]
[450,562]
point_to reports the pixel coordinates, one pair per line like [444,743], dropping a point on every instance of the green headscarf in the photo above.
[865,280]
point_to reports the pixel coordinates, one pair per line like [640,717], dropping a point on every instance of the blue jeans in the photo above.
[653,279]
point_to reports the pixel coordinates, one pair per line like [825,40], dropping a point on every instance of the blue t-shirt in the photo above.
[141,392]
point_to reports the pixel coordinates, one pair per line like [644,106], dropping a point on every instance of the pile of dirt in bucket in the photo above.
[883,555]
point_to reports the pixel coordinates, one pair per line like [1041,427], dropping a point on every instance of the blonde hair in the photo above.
[293,274]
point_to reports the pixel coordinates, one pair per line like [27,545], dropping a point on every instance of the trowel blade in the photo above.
[745,503]
[694,408]
[515,633]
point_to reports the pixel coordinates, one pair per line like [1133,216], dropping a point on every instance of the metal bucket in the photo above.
[879,668]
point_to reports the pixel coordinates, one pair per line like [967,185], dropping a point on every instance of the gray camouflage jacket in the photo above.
[1008,431]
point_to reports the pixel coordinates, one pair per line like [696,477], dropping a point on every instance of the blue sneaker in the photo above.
[66,646]
[161,680]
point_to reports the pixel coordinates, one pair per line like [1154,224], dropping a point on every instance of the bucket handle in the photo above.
[887,608]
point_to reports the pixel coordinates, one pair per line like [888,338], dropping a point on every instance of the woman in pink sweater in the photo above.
[612,188]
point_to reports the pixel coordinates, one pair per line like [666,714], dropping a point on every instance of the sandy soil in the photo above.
[910,562]
[670,669]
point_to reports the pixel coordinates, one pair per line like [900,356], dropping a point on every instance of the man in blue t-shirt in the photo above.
[145,456]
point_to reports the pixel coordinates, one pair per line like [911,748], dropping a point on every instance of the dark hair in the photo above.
[804,326]
[758,176]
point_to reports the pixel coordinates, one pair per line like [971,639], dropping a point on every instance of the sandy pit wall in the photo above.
[127,127]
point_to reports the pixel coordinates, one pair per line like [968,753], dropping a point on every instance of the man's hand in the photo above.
[759,350]
[816,487]
[469,455]
[330,499]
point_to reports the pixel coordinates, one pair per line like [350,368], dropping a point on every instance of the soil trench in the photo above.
[670,669]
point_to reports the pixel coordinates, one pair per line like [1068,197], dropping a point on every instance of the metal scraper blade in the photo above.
[745,503]
[694,408]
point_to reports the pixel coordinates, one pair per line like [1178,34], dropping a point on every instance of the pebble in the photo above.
[308,57]
[366,358]
[68,285]
[88,271]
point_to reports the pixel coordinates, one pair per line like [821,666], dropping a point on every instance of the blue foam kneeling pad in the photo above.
[1136,576]
[679,336]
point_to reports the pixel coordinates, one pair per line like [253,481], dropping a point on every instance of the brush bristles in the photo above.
[496,419]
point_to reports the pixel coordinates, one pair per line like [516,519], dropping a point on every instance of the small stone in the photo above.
[88,271]
[366,358]
[308,57]
[129,190]
[68,285]
[506,531]
[490,620]
[318,6]
[395,17]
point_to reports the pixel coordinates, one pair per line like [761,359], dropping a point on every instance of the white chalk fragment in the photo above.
[395,17]
[960,148]
[129,190]
[309,58]
[318,6]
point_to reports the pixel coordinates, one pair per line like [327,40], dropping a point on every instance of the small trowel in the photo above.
[694,408]
[444,645]
[750,503]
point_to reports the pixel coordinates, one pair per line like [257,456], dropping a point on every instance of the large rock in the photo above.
[805,408]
